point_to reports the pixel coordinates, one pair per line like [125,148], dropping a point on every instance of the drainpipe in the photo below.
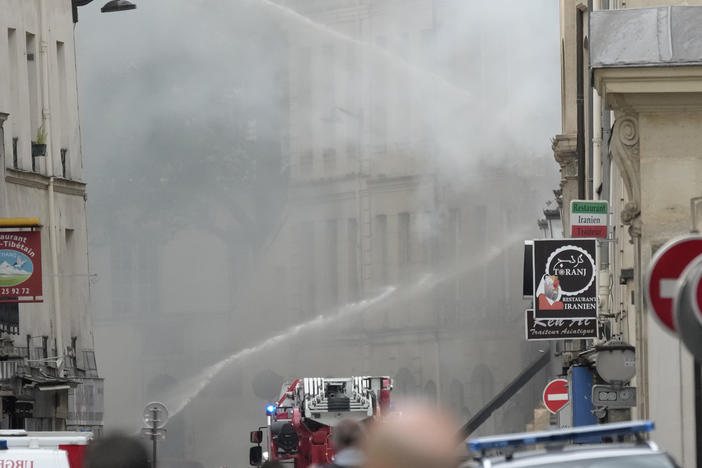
[53,227]
[596,131]
[580,104]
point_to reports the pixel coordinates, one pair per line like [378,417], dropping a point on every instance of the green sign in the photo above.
[594,207]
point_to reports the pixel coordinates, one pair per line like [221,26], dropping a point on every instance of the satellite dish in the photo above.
[155,415]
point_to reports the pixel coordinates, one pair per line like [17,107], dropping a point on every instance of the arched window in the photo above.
[457,400]
[482,384]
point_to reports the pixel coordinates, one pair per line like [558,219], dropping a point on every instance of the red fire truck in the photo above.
[299,424]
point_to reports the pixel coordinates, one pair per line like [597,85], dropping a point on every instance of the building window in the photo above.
[380,237]
[306,162]
[69,241]
[332,263]
[351,151]
[329,157]
[89,361]
[352,234]
[15,156]
[403,239]
[32,82]
[308,259]
[329,64]
[64,172]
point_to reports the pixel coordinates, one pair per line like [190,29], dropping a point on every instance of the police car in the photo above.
[582,447]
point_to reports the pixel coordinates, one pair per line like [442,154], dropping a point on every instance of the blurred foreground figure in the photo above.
[422,436]
[116,451]
[347,437]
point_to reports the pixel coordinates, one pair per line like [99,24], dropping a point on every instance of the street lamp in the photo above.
[155,419]
[109,7]
[117,5]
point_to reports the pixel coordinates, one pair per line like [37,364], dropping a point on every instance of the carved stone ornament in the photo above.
[625,153]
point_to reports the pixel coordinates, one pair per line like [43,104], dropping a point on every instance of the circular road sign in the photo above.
[556,395]
[688,308]
[664,274]
[155,414]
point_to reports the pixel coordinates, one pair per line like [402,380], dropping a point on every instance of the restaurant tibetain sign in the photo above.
[20,266]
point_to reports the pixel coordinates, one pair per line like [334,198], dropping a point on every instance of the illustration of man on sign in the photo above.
[549,293]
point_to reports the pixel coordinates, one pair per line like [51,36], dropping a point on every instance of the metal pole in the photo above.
[154,432]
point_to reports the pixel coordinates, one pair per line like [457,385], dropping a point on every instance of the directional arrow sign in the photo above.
[556,395]
[664,274]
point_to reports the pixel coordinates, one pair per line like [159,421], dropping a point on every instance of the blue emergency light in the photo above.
[482,444]
[270,409]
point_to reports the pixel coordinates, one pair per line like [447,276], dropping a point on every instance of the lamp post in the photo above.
[109,7]
[155,418]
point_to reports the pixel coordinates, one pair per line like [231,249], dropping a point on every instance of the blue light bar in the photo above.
[559,435]
[270,409]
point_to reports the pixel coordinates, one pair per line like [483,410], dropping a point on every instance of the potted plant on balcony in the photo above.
[39,146]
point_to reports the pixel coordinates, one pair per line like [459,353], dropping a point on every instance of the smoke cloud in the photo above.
[191,113]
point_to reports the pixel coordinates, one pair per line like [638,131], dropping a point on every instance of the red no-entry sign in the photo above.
[556,395]
[688,308]
[664,275]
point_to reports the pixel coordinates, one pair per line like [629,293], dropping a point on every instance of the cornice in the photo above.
[41,182]
[650,89]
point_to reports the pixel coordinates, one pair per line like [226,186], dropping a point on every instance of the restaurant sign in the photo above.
[20,266]
[565,279]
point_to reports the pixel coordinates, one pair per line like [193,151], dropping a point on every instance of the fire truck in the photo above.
[299,424]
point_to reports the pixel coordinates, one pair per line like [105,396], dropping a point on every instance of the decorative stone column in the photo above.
[625,153]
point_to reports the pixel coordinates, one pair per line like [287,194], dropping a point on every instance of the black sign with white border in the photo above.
[565,279]
[558,329]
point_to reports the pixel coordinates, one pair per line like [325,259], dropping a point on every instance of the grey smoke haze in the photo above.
[184,115]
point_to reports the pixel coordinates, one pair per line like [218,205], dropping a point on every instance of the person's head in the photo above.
[421,436]
[116,451]
[347,433]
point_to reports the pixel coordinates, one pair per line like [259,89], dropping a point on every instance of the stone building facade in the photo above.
[642,153]
[49,375]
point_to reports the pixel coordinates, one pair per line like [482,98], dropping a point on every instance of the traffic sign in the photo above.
[688,308]
[588,218]
[664,275]
[556,395]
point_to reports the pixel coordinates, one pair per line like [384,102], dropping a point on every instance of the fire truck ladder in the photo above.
[503,396]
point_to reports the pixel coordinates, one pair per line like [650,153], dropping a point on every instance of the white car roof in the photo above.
[573,453]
